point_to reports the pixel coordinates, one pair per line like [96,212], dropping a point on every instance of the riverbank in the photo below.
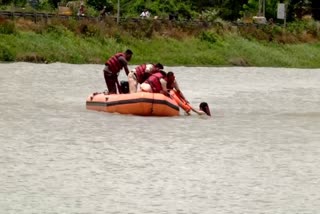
[91,43]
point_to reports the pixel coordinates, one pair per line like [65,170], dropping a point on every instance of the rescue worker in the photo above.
[156,83]
[161,82]
[172,84]
[139,74]
[112,69]
[164,83]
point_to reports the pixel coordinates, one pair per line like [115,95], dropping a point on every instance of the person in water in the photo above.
[142,72]
[172,85]
[112,69]
[205,108]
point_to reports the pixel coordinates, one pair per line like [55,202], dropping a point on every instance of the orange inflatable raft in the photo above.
[140,103]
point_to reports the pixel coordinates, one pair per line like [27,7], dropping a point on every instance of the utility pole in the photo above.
[285,13]
[259,13]
[262,8]
[118,12]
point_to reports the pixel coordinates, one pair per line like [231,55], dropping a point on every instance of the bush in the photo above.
[58,30]
[209,15]
[208,36]
[6,54]
[141,28]
[7,27]
[87,29]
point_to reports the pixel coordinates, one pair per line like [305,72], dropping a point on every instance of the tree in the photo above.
[231,9]
[15,2]
[315,7]
[54,3]
[298,8]
[99,4]
[270,7]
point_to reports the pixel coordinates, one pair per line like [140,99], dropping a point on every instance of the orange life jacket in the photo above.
[154,82]
[180,101]
[141,73]
[114,64]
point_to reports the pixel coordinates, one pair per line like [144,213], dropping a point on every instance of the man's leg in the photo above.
[132,80]
[111,83]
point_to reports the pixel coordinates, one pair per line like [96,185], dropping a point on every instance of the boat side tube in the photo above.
[180,101]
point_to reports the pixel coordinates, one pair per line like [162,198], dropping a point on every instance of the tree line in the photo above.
[229,10]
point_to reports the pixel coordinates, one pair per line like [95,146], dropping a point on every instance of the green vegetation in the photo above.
[171,43]
[229,10]
[208,38]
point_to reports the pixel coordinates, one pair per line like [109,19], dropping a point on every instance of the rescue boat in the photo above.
[140,103]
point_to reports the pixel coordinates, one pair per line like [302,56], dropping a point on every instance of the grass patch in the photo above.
[87,42]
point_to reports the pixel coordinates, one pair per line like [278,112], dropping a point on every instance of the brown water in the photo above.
[259,153]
